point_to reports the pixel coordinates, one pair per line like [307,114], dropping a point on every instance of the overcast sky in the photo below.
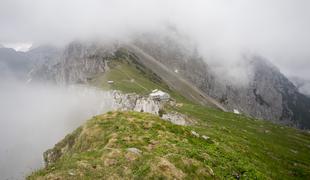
[276,29]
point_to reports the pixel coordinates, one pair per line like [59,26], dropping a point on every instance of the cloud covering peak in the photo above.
[276,29]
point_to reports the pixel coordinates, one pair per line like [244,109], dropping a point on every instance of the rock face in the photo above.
[148,105]
[176,118]
[138,103]
[268,94]
[135,102]
[78,63]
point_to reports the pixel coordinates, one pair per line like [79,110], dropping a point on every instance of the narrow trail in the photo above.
[129,77]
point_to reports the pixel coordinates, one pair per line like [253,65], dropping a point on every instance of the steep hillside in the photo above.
[140,145]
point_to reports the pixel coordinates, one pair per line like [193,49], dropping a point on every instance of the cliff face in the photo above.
[78,63]
[135,102]
[268,95]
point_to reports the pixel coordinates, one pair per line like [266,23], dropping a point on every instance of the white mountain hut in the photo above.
[236,111]
[159,95]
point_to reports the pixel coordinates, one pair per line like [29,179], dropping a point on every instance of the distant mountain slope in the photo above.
[82,62]
[13,63]
[268,95]
[173,80]
[19,64]
[302,85]
[44,53]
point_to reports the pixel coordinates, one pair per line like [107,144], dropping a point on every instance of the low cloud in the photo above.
[35,117]
[223,29]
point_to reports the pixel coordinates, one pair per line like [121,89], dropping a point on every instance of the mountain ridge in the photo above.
[135,145]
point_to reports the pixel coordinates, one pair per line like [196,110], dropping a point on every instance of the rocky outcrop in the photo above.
[138,103]
[135,102]
[176,118]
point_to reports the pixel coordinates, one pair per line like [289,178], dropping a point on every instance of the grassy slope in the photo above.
[242,148]
[238,145]
[247,145]
[132,78]
[99,150]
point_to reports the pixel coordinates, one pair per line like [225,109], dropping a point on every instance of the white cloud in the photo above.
[276,29]
[23,47]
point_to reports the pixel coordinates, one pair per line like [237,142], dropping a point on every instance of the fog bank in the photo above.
[35,117]
[222,29]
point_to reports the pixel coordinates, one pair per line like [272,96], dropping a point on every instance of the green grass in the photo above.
[238,147]
[126,79]
[278,152]
[100,150]
[132,78]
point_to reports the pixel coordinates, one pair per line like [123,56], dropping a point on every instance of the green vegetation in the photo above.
[252,148]
[126,79]
[129,76]
[99,150]
[237,147]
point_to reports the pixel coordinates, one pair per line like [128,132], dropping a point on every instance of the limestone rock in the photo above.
[134,150]
[135,102]
[176,118]
[195,134]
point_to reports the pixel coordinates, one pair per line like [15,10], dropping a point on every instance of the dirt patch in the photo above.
[168,169]
[83,164]
[111,158]
[131,119]
[152,145]
[130,156]
[147,125]
[201,170]
[112,141]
